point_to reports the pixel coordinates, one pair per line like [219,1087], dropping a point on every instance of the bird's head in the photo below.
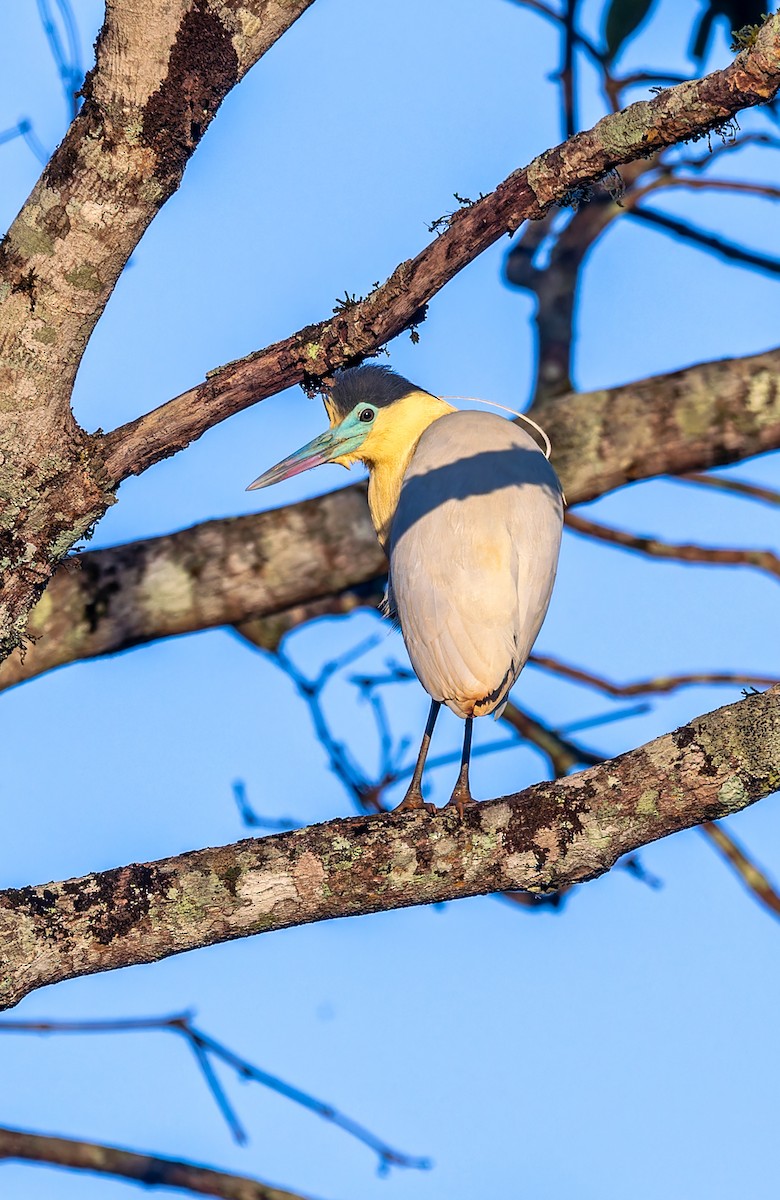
[374,415]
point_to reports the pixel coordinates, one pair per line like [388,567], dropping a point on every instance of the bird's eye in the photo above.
[366,415]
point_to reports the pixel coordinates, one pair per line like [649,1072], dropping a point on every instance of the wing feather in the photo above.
[473,554]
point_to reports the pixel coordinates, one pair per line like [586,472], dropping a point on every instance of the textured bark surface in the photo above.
[148,1169]
[232,571]
[689,110]
[545,838]
[218,573]
[161,73]
[159,78]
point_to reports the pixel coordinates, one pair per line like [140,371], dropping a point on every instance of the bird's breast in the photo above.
[473,553]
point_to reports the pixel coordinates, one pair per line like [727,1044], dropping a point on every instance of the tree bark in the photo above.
[232,571]
[151,1170]
[689,110]
[159,78]
[545,838]
[161,73]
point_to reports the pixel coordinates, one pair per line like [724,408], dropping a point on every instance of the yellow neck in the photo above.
[389,448]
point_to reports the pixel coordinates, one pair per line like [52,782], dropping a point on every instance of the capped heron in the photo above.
[470,514]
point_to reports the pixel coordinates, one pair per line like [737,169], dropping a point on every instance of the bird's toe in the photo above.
[414,800]
[461,799]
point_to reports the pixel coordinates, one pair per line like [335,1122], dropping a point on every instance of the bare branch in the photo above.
[204,1047]
[221,572]
[561,753]
[702,162]
[311,354]
[324,552]
[151,1170]
[644,687]
[754,879]
[547,837]
[568,69]
[126,151]
[762,560]
[750,491]
[708,241]
[556,18]
[267,632]
[123,156]
[739,186]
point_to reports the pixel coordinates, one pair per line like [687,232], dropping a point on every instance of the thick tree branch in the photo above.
[218,573]
[55,480]
[678,113]
[229,572]
[544,838]
[151,1170]
[161,73]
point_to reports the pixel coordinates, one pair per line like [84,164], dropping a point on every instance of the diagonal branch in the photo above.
[708,241]
[686,111]
[753,879]
[762,560]
[737,487]
[544,838]
[150,1170]
[161,73]
[204,1047]
[324,552]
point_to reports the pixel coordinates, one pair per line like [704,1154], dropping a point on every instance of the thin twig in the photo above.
[252,819]
[202,1046]
[67,59]
[562,754]
[604,718]
[558,19]
[765,190]
[753,878]
[568,69]
[311,355]
[708,241]
[643,687]
[763,560]
[704,161]
[750,491]
[669,78]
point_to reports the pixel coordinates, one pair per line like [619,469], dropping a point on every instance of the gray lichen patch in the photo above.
[85,278]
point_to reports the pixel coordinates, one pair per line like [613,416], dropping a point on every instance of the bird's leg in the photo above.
[414,796]
[461,796]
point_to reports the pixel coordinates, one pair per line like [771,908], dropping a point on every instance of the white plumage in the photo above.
[470,513]
[473,554]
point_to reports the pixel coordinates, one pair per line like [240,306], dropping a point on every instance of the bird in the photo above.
[470,513]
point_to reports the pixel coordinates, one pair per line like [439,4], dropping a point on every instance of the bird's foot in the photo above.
[461,799]
[414,800]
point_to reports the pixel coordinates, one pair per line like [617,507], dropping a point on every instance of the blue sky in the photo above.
[588,1053]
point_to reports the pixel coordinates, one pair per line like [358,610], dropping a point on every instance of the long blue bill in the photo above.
[329,445]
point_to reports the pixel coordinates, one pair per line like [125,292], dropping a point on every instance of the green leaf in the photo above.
[623,18]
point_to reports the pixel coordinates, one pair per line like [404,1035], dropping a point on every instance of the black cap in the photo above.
[368,385]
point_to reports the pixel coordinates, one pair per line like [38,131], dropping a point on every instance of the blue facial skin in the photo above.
[346,438]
